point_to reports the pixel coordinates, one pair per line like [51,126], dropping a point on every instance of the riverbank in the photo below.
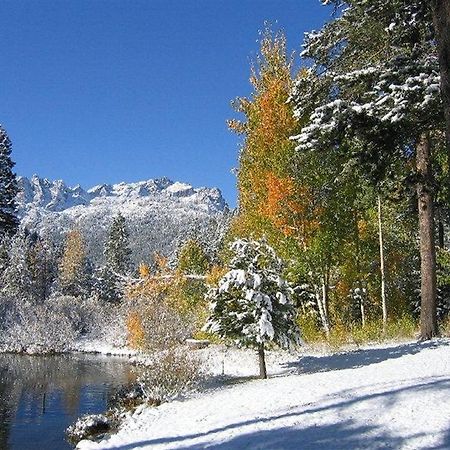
[383,396]
[79,346]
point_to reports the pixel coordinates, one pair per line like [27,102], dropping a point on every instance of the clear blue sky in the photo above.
[95,91]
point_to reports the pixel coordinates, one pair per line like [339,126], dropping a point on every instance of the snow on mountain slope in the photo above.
[159,212]
[56,196]
[382,397]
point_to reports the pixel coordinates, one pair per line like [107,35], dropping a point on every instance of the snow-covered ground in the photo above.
[392,396]
[102,347]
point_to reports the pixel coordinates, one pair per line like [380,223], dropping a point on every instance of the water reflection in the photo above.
[41,395]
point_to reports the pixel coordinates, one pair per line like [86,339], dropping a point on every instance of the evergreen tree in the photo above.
[17,278]
[8,187]
[5,244]
[117,251]
[118,261]
[105,284]
[441,21]
[42,261]
[252,303]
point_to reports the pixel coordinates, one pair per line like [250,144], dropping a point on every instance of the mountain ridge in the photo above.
[160,213]
[58,196]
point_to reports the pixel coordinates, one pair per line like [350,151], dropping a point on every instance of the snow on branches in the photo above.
[252,302]
[374,69]
[403,92]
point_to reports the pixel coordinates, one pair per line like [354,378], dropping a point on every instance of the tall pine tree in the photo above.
[8,187]
[117,249]
[118,261]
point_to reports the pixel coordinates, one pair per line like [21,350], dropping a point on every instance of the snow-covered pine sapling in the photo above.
[252,303]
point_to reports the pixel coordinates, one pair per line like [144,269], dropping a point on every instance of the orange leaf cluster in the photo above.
[135,329]
[289,207]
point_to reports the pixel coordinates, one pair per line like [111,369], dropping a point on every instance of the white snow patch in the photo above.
[387,396]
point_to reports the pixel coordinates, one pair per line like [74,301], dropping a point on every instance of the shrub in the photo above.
[168,374]
[154,325]
[341,335]
[311,331]
[57,323]
[135,330]
[445,327]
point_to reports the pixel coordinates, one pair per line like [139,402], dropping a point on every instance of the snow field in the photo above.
[391,396]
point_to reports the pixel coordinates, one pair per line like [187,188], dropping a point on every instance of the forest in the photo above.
[342,178]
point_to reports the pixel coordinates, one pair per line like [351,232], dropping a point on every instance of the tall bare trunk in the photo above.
[325,292]
[428,314]
[262,361]
[323,310]
[382,269]
[441,20]
[362,307]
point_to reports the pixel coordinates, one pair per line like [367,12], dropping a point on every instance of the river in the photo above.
[40,396]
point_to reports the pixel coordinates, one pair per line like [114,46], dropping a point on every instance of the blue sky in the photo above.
[95,91]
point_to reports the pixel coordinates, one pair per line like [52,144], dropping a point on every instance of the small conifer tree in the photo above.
[252,303]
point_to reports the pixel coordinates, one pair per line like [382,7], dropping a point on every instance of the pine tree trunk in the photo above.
[441,20]
[382,269]
[428,314]
[262,361]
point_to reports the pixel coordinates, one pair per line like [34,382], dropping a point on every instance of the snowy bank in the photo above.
[101,347]
[377,397]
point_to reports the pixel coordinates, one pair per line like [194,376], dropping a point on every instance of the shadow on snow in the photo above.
[344,434]
[357,358]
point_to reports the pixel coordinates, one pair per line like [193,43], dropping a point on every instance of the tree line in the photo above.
[343,173]
[344,160]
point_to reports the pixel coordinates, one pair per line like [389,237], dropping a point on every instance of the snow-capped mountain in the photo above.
[160,213]
[57,196]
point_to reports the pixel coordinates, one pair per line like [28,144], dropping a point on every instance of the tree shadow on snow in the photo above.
[337,436]
[445,444]
[343,434]
[214,382]
[357,358]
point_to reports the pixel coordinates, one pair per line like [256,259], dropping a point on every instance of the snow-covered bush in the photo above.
[36,328]
[88,426]
[168,374]
[155,325]
[252,303]
[94,319]
[56,324]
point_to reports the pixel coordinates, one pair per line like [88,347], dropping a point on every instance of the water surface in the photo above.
[40,396]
